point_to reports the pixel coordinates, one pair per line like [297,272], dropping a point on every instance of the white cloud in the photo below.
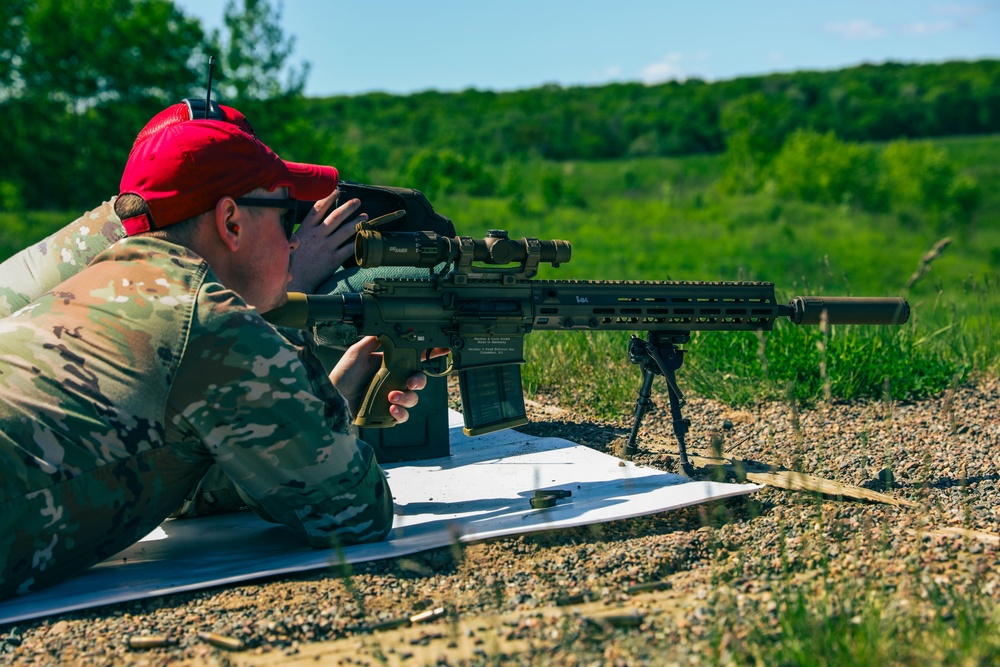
[664,70]
[964,11]
[667,69]
[923,28]
[956,17]
[856,29]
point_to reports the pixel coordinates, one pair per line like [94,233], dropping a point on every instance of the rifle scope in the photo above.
[427,249]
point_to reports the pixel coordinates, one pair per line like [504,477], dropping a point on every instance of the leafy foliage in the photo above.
[78,73]
[253,53]
[79,80]
[448,172]
[820,168]
[915,178]
[865,103]
[755,128]
[922,176]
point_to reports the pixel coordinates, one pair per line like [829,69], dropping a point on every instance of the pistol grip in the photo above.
[398,364]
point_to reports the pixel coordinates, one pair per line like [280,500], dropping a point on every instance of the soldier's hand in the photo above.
[355,370]
[324,243]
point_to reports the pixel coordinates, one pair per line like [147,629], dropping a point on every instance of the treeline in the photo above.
[864,103]
[79,80]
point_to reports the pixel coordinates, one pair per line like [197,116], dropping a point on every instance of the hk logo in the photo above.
[582,299]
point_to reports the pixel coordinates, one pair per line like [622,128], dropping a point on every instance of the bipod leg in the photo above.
[660,356]
[681,424]
[663,350]
[642,406]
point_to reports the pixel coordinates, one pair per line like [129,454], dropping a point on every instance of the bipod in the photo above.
[660,356]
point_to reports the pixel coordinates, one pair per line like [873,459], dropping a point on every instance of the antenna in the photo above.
[208,94]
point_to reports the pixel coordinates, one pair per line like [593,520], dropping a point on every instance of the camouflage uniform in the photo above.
[123,385]
[40,267]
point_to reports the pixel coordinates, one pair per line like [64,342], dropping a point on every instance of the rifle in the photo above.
[479,300]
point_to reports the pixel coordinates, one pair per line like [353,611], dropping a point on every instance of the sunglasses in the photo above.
[295,210]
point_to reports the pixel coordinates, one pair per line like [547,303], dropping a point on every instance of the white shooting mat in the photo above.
[481,491]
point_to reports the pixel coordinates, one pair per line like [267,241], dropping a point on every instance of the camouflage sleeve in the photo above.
[40,267]
[261,406]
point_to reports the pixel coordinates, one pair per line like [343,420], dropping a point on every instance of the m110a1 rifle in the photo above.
[479,300]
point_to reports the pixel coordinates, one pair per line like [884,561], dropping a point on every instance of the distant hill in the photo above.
[61,156]
[868,102]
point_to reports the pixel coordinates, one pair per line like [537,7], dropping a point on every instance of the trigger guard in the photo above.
[432,367]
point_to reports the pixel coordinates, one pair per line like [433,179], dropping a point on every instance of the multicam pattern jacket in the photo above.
[120,387]
[40,267]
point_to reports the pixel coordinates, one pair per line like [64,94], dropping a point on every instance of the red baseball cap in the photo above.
[183,169]
[192,109]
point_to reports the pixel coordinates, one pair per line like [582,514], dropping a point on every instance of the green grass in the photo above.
[818,603]
[21,229]
[663,219]
[867,631]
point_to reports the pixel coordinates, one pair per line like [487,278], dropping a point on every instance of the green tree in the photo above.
[820,168]
[80,81]
[441,172]
[12,43]
[749,116]
[921,177]
[253,54]
[754,126]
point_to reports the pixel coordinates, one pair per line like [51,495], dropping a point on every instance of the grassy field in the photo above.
[663,219]
[795,590]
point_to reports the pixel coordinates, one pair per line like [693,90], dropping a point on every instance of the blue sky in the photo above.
[402,46]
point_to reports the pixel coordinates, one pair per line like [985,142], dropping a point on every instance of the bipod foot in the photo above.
[681,426]
[686,468]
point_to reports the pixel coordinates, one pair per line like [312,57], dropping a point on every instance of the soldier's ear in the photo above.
[228,218]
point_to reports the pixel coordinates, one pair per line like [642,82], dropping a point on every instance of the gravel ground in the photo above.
[696,586]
